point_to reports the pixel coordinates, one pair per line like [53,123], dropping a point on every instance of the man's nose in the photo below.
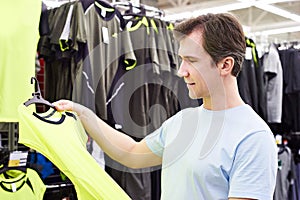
[182,71]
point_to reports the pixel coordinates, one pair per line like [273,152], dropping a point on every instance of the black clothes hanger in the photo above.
[129,9]
[37,97]
[140,10]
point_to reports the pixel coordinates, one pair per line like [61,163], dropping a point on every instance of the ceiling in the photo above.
[263,20]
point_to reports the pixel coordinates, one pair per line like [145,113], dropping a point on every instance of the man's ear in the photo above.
[225,65]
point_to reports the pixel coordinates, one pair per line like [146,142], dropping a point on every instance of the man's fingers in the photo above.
[61,105]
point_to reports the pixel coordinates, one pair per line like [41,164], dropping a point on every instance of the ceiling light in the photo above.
[278,11]
[218,9]
[278,31]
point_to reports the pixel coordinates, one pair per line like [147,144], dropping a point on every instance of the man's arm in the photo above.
[117,145]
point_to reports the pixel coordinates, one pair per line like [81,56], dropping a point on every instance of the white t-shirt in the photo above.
[215,155]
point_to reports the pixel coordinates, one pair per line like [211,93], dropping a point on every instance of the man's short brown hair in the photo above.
[222,36]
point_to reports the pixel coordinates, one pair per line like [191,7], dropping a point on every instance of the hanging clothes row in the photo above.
[150,91]
[271,84]
[251,80]
[123,67]
[290,58]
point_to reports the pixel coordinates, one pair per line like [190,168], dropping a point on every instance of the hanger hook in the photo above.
[37,87]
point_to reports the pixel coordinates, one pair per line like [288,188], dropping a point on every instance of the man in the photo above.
[220,150]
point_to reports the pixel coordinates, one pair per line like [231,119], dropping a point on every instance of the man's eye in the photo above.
[192,61]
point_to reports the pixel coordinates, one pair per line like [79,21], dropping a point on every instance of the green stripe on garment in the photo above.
[253,51]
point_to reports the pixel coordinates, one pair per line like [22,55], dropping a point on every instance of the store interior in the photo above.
[59,63]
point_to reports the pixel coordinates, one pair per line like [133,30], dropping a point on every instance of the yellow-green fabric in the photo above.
[62,139]
[19,22]
[27,185]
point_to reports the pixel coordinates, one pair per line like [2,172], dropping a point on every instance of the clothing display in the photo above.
[290,57]
[120,59]
[61,46]
[105,40]
[17,185]
[206,151]
[251,81]
[61,138]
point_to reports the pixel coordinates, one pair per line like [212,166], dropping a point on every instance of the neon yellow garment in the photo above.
[19,22]
[62,139]
[21,185]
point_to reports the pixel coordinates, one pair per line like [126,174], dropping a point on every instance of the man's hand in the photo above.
[62,105]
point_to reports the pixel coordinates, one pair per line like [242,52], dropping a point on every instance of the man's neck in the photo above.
[228,97]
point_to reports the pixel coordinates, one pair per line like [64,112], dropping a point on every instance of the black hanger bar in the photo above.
[141,7]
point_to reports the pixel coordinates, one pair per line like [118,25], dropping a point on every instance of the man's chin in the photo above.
[193,96]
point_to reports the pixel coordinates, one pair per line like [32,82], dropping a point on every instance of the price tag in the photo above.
[248,55]
[278,139]
[103,12]
[105,35]
[17,159]
[13,187]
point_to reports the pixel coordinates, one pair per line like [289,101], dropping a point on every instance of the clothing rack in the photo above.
[142,9]
[287,45]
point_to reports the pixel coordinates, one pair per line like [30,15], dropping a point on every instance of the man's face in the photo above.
[197,67]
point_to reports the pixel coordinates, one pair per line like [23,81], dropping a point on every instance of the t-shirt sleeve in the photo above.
[165,136]
[156,140]
[254,169]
